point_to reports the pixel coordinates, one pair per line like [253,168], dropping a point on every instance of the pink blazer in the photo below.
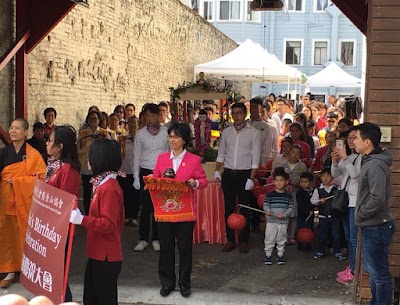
[190,167]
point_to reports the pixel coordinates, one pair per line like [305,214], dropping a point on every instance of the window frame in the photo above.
[247,2]
[285,40]
[320,11]
[218,17]
[354,41]
[201,10]
[313,51]
[303,6]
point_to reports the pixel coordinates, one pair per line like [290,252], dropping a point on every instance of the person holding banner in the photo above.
[104,225]
[20,166]
[63,166]
[187,167]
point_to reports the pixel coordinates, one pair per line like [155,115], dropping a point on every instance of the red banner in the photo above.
[42,270]
[171,199]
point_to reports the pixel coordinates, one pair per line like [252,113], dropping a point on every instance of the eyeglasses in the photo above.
[237,113]
[175,137]
[351,138]
[332,121]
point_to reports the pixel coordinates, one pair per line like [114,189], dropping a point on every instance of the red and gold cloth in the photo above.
[171,199]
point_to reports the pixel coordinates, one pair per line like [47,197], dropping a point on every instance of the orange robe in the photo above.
[15,203]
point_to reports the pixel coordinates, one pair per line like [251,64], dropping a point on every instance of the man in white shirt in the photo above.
[149,143]
[280,114]
[266,113]
[239,151]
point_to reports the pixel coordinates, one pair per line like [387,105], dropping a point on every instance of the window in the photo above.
[252,15]
[229,10]
[347,52]
[293,52]
[207,12]
[294,5]
[321,5]
[320,52]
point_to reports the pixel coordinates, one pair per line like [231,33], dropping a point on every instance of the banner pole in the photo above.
[71,233]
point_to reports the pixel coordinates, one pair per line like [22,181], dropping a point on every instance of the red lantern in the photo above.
[259,190]
[260,200]
[305,235]
[236,221]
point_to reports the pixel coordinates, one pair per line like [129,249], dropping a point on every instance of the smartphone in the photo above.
[339,144]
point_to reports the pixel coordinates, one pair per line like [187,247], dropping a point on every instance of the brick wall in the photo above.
[7,74]
[117,52]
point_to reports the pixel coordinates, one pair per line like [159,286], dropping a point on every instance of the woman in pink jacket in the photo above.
[187,167]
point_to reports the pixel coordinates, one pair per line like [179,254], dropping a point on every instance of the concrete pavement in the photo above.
[220,278]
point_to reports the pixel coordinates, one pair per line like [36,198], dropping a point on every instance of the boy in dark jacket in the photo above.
[328,221]
[305,210]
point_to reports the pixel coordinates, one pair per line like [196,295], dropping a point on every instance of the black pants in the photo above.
[233,183]
[147,213]
[101,282]
[331,225]
[183,232]
[131,196]
[87,192]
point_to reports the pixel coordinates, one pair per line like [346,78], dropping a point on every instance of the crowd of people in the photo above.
[305,152]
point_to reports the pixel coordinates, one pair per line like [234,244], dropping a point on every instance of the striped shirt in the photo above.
[278,203]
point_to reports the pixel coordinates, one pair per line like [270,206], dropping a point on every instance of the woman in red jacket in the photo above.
[63,166]
[187,167]
[104,225]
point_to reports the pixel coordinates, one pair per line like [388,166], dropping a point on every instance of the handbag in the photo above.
[340,201]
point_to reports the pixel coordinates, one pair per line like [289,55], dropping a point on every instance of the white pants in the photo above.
[275,233]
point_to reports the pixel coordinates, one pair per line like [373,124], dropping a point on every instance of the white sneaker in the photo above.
[142,244]
[156,245]
[134,222]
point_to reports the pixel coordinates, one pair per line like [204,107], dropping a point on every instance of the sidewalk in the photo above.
[220,278]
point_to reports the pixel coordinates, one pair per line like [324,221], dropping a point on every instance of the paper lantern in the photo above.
[305,235]
[259,190]
[236,221]
[260,200]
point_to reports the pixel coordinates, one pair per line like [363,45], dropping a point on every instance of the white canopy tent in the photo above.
[333,76]
[251,63]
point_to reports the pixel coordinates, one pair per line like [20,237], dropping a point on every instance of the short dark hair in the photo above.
[50,109]
[119,107]
[240,105]
[91,112]
[256,101]
[307,175]
[130,104]
[271,94]
[347,121]
[280,172]
[105,155]
[332,115]
[152,108]
[181,130]
[209,109]
[104,116]
[297,125]
[286,121]
[202,112]
[25,123]
[371,132]
[38,125]
[266,106]
[296,146]
[66,135]
[287,139]
[326,170]
[163,104]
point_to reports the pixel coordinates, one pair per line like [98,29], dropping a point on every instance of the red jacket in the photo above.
[66,179]
[105,222]
[190,167]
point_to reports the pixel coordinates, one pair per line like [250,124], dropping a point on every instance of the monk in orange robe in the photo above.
[20,166]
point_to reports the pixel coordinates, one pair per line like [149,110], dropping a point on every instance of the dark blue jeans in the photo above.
[333,225]
[350,230]
[375,241]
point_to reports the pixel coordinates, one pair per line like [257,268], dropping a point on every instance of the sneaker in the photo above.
[134,222]
[156,245]
[268,260]
[346,279]
[142,244]
[280,260]
[319,255]
[345,271]
[339,256]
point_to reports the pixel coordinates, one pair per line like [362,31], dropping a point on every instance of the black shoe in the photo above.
[165,291]
[185,291]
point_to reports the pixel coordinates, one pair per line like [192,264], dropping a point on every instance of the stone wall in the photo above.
[7,74]
[116,52]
